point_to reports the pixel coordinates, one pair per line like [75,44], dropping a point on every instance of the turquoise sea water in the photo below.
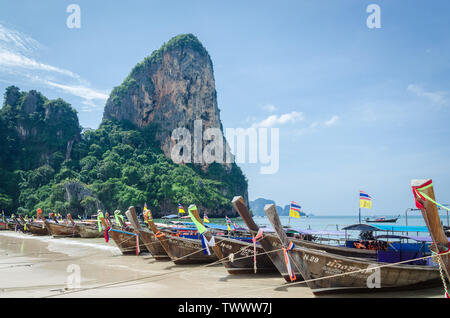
[333,223]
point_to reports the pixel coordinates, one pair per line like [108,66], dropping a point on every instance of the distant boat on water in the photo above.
[382,220]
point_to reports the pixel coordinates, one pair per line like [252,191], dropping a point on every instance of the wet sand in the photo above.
[32,266]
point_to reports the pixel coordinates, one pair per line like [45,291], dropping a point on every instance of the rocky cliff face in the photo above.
[258,205]
[34,127]
[171,88]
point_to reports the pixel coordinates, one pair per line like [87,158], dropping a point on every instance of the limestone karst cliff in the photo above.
[171,88]
[47,162]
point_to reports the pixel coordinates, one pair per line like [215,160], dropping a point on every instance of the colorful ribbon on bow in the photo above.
[418,193]
[200,227]
[288,262]
[254,239]
[99,221]
[118,216]
[138,250]
[107,234]
[206,244]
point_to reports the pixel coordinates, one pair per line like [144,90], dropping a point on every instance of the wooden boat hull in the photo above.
[338,250]
[13,226]
[325,272]
[318,264]
[186,251]
[38,229]
[126,242]
[239,257]
[3,226]
[89,232]
[62,230]
[153,245]
[382,221]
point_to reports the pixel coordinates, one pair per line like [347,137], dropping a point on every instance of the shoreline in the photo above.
[42,266]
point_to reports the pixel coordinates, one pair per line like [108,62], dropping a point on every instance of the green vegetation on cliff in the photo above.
[44,157]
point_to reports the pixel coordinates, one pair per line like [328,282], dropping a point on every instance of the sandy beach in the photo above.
[32,266]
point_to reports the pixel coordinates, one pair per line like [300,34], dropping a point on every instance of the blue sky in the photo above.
[368,108]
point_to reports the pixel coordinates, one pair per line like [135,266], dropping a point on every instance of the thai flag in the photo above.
[364,196]
[295,206]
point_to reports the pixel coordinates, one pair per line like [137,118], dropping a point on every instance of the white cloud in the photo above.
[18,64]
[16,40]
[16,60]
[80,91]
[435,97]
[269,108]
[331,121]
[275,120]
[316,125]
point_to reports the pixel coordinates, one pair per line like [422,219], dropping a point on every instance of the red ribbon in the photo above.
[107,234]
[417,194]
[254,239]
[137,244]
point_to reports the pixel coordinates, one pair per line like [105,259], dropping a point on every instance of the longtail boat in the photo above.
[426,202]
[124,237]
[57,229]
[237,256]
[152,244]
[12,224]
[382,220]
[325,272]
[182,250]
[23,224]
[273,249]
[89,231]
[38,228]
[269,243]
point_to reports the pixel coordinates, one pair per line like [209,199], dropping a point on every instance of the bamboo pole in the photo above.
[431,216]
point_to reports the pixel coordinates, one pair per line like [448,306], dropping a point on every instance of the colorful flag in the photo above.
[147,214]
[39,213]
[228,222]
[180,209]
[365,201]
[294,210]
[205,219]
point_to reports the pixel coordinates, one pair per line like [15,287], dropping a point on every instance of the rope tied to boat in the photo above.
[125,232]
[254,239]
[436,257]
[289,268]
